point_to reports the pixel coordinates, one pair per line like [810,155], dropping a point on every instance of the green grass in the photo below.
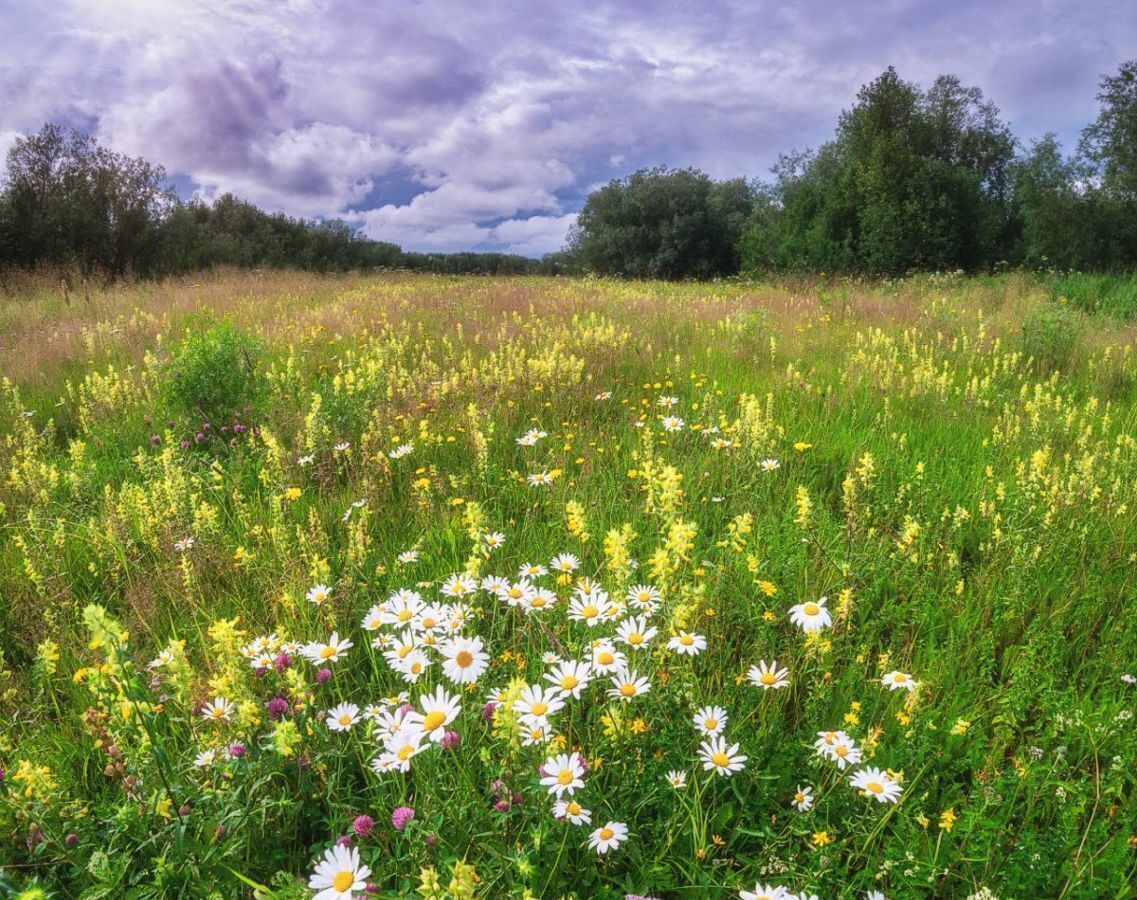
[967,452]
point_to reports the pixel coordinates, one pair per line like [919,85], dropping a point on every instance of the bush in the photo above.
[1050,335]
[213,374]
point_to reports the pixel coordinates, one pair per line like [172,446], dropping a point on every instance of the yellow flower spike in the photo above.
[948,819]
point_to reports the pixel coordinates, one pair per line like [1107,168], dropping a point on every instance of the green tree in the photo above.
[661,223]
[1110,142]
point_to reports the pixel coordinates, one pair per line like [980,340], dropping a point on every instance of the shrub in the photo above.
[213,373]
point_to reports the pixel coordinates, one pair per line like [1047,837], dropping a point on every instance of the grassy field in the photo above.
[397,562]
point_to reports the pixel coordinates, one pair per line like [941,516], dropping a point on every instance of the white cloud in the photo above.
[501,120]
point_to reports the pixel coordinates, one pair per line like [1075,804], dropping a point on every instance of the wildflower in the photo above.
[672,423]
[811,617]
[362,825]
[676,779]
[588,609]
[609,837]
[401,451]
[766,892]
[667,401]
[277,708]
[438,710]
[1129,679]
[323,674]
[627,684]
[218,710]
[339,874]
[531,437]
[768,676]
[606,658]
[450,741]
[803,798]
[687,644]
[306,460]
[537,703]
[401,817]
[573,811]
[564,773]
[465,659]
[603,395]
[710,720]
[540,479]
[205,758]
[459,586]
[494,540]
[635,632]
[948,819]
[571,677]
[184,544]
[839,747]
[319,594]
[770,465]
[875,783]
[960,727]
[532,570]
[321,654]
[342,717]
[236,750]
[896,681]
[399,749]
[720,758]
[566,563]
[407,557]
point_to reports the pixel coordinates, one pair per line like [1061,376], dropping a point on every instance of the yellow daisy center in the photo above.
[842,751]
[568,682]
[464,658]
[343,880]
[627,689]
[433,720]
[404,615]
[900,678]
[218,712]
[405,752]
[538,602]
[686,640]
[345,719]
[573,808]
[515,593]
[590,612]
[721,760]
[605,658]
[328,652]
[635,639]
[875,786]
[606,834]
[799,797]
[710,723]
[768,678]
[539,709]
[811,609]
[564,777]
[429,622]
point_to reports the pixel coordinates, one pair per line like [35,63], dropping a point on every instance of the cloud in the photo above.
[485,126]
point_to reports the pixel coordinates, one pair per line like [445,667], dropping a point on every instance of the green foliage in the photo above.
[1050,335]
[970,517]
[213,373]
[1114,295]
[660,223]
[913,180]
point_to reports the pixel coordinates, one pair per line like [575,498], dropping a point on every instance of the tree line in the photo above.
[68,202]
[913,180]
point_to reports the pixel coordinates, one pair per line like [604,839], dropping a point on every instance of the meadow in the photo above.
[424,586]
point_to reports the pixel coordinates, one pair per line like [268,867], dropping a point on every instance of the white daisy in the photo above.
[339,875]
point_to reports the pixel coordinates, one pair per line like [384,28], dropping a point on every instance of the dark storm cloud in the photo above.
[448,125]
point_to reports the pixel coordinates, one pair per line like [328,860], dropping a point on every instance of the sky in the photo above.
[447,125]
